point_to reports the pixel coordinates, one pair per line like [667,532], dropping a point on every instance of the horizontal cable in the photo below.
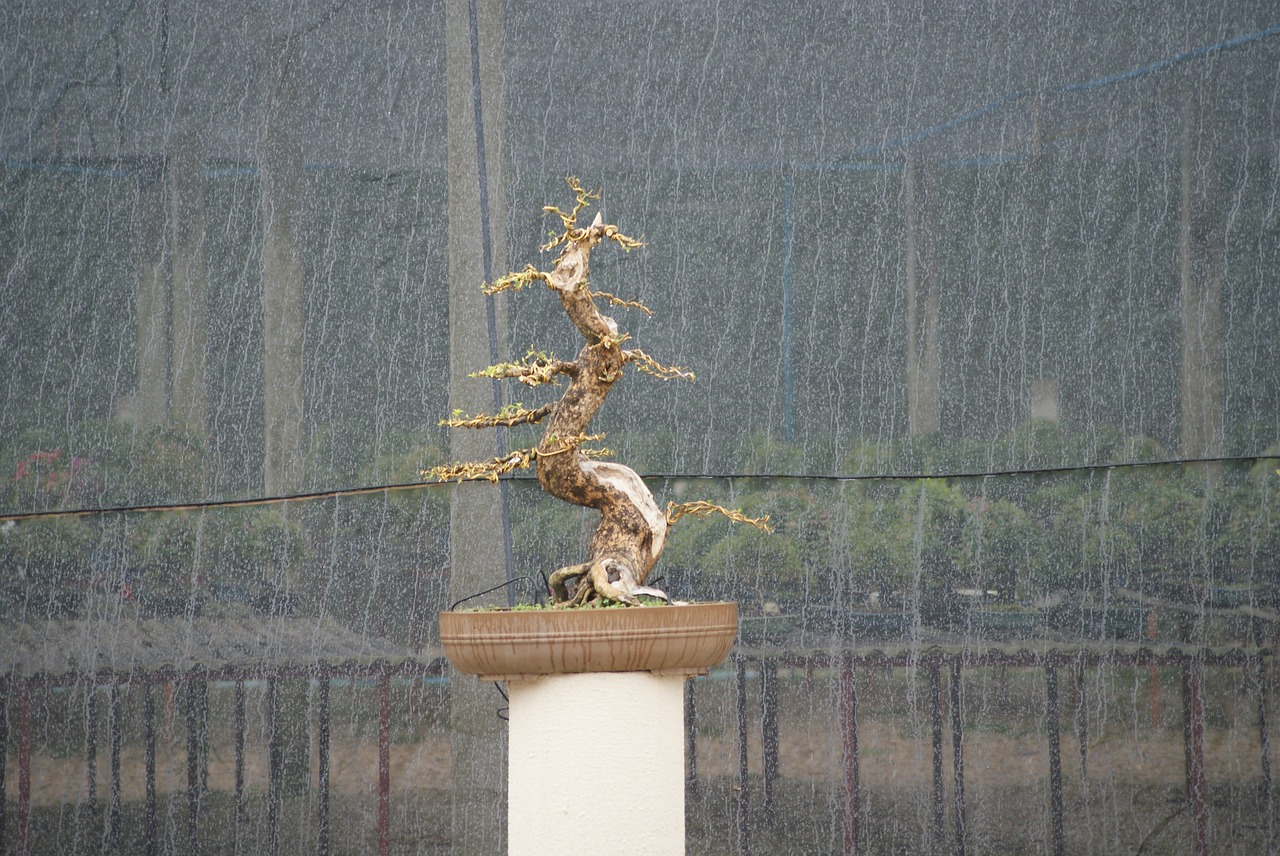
[216,503]
[972,474]
[1067,89]
[836,477]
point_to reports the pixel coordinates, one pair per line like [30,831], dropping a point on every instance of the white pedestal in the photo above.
[596,765]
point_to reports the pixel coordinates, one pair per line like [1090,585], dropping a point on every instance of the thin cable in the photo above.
[51,104]
[525,578]
[215,503]
[1082,86]
[1170,62]
[837,477]
[965,474]
[880,148]
[788,243]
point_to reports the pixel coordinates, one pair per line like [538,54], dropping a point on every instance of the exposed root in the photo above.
[602,579]
[559,589]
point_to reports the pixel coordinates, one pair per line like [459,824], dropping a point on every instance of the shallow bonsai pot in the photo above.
[506,644]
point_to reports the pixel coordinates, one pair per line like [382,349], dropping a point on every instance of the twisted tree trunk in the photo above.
[632,529]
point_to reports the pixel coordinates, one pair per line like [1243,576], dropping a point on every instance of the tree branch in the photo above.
[511,415]
[614,300]
[535,369]
[649,365]
[702,509]
[488,470]
[517,280]
[520,459]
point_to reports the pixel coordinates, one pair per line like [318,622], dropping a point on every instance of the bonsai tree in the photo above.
[632,529]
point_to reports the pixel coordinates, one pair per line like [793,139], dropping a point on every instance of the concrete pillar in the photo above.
[1045,404]
[477,230]
[190,283]
[924,367]
[283,318]
[1201,263]
[612,781]
[152,330]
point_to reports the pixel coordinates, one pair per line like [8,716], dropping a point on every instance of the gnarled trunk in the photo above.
[632,530]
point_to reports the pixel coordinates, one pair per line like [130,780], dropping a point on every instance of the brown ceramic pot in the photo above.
[502,644]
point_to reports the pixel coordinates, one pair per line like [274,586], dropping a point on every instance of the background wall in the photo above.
[965,290]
